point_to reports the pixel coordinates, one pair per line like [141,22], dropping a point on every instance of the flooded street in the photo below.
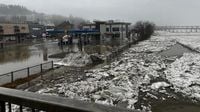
[23,56]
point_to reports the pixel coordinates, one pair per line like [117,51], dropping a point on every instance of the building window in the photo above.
[115,29]
[1,29]
[23,28]
[117,35]
[107,29]
[16,29]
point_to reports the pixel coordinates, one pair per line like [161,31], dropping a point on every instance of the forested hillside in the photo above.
[14,10]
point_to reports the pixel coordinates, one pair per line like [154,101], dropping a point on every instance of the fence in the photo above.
[25,73]
[28,101]
[118,51]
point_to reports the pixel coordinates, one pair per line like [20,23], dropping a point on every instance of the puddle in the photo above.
[175,51]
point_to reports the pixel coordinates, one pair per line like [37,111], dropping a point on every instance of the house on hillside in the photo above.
[13,33]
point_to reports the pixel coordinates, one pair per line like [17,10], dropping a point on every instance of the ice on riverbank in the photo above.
[184,74]
[139,67]
[117,83]
[155,44]
[158,85]
[77,59]
[191,40]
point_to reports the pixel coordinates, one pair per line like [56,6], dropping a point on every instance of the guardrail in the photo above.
[25,73]
[36,102]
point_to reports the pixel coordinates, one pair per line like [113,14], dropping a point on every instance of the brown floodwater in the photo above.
[22,56]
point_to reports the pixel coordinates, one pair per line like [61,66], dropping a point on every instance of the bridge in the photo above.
[179,29]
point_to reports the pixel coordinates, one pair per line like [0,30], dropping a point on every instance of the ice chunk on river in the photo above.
[77,59]
[158,85]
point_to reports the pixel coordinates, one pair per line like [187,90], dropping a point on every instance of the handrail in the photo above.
[26,68]
[13,75]
[51,103]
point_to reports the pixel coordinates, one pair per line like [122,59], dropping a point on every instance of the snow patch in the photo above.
[77,59]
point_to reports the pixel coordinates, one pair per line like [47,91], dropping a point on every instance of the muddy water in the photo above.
[20,56]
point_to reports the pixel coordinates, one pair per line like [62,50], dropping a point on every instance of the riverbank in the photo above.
[141,78]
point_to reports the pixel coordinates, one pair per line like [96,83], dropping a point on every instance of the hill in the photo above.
[10,10]
[17,14]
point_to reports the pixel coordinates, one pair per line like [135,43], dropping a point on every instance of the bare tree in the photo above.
[144,29]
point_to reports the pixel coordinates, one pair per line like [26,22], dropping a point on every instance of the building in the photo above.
[36,29]
[99,31]
[109,28]
[65,26]
[13,33]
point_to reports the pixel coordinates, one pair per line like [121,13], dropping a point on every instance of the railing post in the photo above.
[28,71]
[41,68]
[41,71]
[3,106]
[12,77]
[33,110]
[21,108]
[52,64]
[9,107]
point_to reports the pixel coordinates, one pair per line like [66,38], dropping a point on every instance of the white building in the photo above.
[109,28]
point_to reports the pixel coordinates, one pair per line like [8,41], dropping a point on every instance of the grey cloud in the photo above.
[162,12]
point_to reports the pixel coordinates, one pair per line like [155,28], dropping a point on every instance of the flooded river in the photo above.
[22,56]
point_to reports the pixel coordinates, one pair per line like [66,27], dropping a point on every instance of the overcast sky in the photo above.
[162,12]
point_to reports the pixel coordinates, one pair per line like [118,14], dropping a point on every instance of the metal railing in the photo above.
[25,73]
[36,102]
